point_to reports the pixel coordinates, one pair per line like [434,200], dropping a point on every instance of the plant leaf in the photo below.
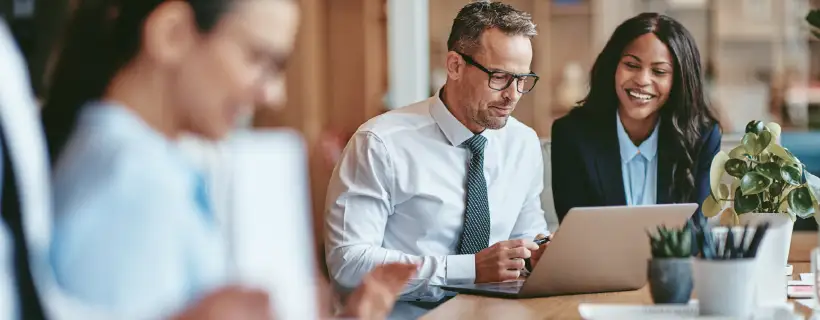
[813,183]
[729,217]
[813,17]
[782,153]
[749,142]
[755,126]
[672,237]
[716,172]
[791,214]
[800,202]
[735,185]
[770,170]
[790,175]
[754,183]
[776,187]
[736,168]
[803,172]
[738,152]
[710,207]
[766,206]
[652,237]
[784,207]
[724,191]
[775,129]
[685,243]
[745,203]
[764,138]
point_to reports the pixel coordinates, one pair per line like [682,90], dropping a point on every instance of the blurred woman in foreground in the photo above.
[134,229]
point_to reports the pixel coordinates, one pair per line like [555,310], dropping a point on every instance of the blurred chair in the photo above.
[547,201]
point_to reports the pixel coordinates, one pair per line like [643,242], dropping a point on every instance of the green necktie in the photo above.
[476,234]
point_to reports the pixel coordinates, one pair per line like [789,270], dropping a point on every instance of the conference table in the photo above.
[566,307]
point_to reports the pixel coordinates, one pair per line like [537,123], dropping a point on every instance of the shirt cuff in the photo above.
[460,269]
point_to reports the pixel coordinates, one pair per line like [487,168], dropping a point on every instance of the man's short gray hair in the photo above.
[474,18]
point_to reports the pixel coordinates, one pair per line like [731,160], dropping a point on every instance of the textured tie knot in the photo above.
[476,144]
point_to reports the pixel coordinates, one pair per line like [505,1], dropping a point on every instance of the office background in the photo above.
[358,58]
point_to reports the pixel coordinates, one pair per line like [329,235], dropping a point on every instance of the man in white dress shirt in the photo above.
[451,183]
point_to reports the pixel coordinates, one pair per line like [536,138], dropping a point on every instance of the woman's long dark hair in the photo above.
[686,115]
[102,37]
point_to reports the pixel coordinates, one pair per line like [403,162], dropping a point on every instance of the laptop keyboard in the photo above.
[509,287]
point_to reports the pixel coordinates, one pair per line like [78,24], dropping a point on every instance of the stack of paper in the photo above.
[594,311]
[803,288]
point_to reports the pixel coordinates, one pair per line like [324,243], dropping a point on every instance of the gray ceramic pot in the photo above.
[670,280]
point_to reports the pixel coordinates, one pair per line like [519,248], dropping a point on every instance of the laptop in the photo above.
[596,249]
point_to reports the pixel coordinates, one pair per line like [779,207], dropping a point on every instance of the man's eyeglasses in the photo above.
[501,80]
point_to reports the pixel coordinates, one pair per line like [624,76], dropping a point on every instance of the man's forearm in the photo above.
[348,265]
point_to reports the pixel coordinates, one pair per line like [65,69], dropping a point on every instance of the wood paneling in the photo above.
[336,80]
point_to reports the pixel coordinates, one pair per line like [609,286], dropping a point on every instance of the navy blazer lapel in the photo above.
[608,161]
[665,169]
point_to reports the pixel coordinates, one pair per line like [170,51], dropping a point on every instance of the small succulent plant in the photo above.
[671,243]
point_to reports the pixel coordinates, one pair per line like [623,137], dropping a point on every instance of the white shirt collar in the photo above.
[454,130]
[648,148]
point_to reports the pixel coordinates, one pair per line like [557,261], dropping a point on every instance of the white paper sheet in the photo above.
[594,311]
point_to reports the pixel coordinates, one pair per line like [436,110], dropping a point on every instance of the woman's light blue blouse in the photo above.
[132,232]
[639,167]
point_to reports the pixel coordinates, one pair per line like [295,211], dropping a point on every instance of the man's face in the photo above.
[483,106]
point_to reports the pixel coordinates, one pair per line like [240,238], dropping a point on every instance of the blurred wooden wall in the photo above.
[336,80]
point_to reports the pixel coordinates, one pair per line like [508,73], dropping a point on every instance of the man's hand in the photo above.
[536,255]
[378,292]
[230,303]
[502,261]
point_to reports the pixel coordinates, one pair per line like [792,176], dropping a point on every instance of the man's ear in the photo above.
[455,65]
[170,32]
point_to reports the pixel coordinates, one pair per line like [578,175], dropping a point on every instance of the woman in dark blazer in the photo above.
[644,134]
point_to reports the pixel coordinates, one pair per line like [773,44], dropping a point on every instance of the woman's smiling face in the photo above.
[643,78]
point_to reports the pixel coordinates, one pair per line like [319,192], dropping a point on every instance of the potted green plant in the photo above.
[761,181]
[670,269]
[813,18]
[764,177]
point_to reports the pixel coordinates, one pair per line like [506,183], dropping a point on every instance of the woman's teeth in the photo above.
[641,96]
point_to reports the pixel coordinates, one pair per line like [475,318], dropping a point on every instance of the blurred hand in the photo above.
[230,303]
[536,255]
[378,292]
[502,261]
